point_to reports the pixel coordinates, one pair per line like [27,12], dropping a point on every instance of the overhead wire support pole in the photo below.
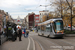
[71,11]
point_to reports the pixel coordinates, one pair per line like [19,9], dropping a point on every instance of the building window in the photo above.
[37,17]
[40,13]
[37,20]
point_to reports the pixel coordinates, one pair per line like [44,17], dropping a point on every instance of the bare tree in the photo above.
[70,6]
[60,5]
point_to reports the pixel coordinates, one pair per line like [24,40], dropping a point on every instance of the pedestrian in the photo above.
[20,33]
[27,32]
[1,30]
[24,32]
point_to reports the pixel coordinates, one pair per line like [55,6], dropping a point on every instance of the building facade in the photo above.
[1,22]
[29,20]
[36,19]
[41,13]
[18,21]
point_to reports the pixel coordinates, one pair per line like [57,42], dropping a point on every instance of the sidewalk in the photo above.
[16,45]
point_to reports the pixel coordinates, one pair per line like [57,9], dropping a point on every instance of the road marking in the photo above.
[28,44]
[40,46]
[33,43]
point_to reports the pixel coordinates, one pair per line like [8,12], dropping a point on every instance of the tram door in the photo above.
[51,30]
[39,30]
[42,29]
[47,31]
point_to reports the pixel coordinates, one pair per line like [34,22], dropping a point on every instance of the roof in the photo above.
[49,21]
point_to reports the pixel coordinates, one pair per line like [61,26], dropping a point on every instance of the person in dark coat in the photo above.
[20,34]
[1,32]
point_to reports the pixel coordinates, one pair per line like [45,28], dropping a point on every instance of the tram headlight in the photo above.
[60,31]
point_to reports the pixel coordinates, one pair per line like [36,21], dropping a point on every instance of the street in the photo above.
[35,42]
[50,25]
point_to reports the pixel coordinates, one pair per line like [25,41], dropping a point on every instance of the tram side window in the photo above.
[50,28]
[43,28]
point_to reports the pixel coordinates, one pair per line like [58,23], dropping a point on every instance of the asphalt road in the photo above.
[66,43]
[35,42]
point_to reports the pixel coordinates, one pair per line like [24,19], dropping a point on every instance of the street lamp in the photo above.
[45,6]
[4,21]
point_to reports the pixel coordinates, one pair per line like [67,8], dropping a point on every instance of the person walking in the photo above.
[24,32]
[20,34]
[27,32]
[1,30]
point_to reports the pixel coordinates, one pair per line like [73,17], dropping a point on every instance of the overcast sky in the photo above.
[22,7]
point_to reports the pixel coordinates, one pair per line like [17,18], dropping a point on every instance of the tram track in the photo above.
[47,42]
[64,42]
[68,42]
[72,40]
[58,40]
[61,43]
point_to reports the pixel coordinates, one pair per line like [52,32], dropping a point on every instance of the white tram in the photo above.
[51,28]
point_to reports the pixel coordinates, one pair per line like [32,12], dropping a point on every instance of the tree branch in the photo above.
[68,3]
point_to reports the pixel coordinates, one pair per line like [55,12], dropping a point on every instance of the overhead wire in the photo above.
[35,7]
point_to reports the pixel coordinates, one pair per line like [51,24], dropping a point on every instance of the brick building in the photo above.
[29,20]
[36,20]
[1,22]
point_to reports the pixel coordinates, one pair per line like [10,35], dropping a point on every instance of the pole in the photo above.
[71,13]
[4,21]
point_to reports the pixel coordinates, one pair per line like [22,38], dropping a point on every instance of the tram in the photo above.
[51,28]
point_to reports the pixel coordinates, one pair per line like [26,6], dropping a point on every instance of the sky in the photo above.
[21,8]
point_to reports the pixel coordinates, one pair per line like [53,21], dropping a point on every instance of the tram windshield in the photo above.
[58,26]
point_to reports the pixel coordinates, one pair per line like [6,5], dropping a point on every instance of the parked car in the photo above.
[69,28]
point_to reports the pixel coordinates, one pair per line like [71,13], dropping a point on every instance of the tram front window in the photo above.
[58,26]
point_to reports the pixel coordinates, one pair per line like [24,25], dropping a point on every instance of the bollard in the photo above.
[33,30]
